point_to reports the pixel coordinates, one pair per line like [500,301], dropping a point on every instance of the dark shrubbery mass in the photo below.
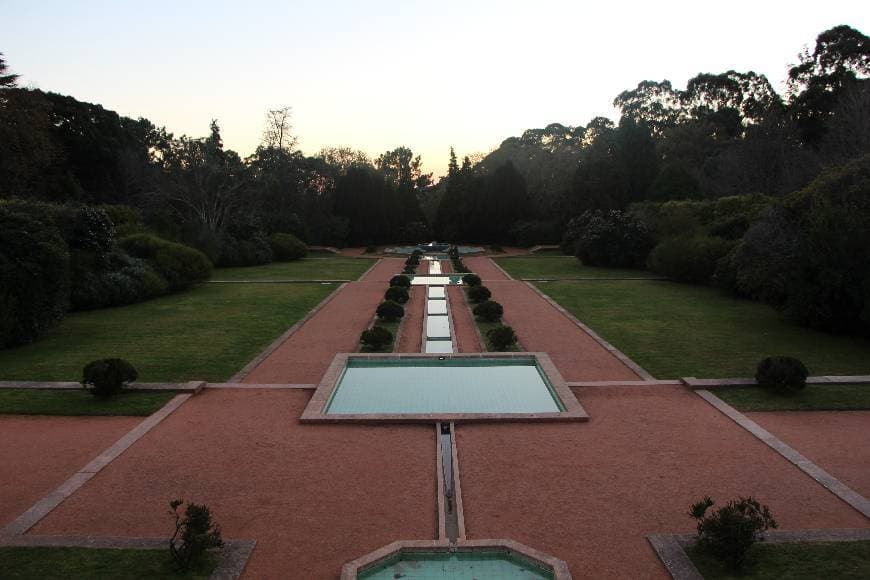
[397,294]
[693,259]
[478,294]
[34,276]
[389,310]
[287,247]
[502,337]
[782,373]
[376,337]
[471,280]
[106,377]
[612,239]
[730,531]
[400,280]
[180,266]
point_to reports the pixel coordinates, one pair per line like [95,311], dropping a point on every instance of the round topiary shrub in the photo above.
[471,280]
[417,253]
[412,260]
[400,280]
[106,377]
[376,337]
[489,311]
[409,270]
[782,373]
[502,337]
[287,247]
[478,294]
[397,294]
[389,310]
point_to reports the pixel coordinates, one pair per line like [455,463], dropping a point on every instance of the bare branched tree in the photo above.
[277,134]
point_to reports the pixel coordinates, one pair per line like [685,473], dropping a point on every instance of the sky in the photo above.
[375,75]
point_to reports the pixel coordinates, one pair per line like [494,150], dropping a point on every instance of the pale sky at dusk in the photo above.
[375,75]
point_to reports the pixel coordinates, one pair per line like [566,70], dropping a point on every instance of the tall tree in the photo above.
[278,132]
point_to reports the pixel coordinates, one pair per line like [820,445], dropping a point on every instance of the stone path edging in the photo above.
[278,281]
[43,507]
[234,554]
[671,548]
[742,382]
[500,269]
[593,278]
[372,267]
[831,483]
[273,346]
[640,371]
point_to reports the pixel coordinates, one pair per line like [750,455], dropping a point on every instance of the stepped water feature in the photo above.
[437,327]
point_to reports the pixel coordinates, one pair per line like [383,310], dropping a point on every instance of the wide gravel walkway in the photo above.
[591,493]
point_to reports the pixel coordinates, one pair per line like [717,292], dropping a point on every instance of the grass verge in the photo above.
[207,334]
[796,561]
[305,269]
[677,330]
[72,402]
[825,397]
[63,563]
[566,267]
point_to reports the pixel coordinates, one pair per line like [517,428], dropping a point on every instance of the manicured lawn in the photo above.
[557,267]
[306,269]
[549,252]
[677,330]
[64,563]
[798,561]
[75,402]
[825,397]
[208,333]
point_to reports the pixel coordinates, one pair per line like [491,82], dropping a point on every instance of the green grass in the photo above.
[798,561]
[677,330]
[63,563]
[79,402]
[207,333]
[306,269]
[560,267]
[549,252]
[824,397]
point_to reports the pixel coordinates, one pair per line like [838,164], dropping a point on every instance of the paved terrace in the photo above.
[316,496]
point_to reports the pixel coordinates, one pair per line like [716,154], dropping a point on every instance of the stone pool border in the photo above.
[315,409]
[351,569]
[671,548]
[234,555]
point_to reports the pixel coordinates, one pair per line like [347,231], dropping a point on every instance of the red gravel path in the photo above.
[412,323]
[463,326]
[313,496]
[590,493]
[485,268]
[836,441]
[305,356]
[40,453]
[540,327]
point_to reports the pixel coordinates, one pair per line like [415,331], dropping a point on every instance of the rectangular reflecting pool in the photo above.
[443,386]
[430,387]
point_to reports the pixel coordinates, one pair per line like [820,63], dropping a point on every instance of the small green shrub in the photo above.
[376,337]
[496,249]
[417,253]
[400,280]
[195,533]
[397,294]
[413,260]
[471,280]
[287,247]
[181,266]
[478,294]
[370,249]
[106,377]
[489,311]
[501,337]
[389,310]
[408,270]
[730,531]
[782,373]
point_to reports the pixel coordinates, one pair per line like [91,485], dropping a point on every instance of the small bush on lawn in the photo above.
[489,311]
[471,280]
[400,280]
[106,377]
[501,337]
[376,337]
[397,294]
[195,532]
[287,247]
[782,373]
[478,294]
[730,531]
[389,310]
